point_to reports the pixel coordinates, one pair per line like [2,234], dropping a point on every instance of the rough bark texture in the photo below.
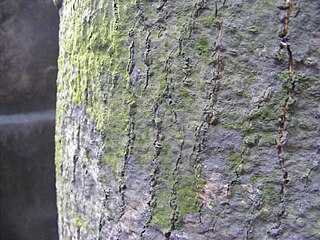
[188,119]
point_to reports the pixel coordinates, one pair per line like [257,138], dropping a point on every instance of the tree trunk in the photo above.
[188,119]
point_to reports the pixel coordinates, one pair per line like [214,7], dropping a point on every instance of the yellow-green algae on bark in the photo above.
[168,120]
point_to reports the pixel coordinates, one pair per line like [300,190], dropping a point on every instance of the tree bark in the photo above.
[188,119]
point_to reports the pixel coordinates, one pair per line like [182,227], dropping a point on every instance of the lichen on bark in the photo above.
[168,120]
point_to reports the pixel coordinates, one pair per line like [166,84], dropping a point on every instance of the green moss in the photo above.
[268,4]
[250,78]
[251,47]
[203,46]
[162,83]
[161,218]
[77,221]
[270,200]
[59,152]
[187,198]
[233,52]
[268,138]
[240,123]
[251,139]
[234,160]
[166,43]
[95,59]
[162,209]
[207,21]
[270,194]
[253,29]
[99,50]
[185,93]
[304,82]
[256,177]
[180,137]
[270,111]
[317,228]
[284,76]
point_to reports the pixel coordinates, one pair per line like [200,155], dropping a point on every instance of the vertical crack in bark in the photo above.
[210,115]
[131,105]
[201,130]
[151,203]
[101,224]
[131,125]
[76,154]
[157,145]
[249,222]
[156,167]
[288,8]
[162,4]
[102,220]
[131,64]
[128,148]
[147,59]
[116,14]
[114,78]
[78,233]
[198,148]
[168,97]
[173,200]
[148,29]
[199,7]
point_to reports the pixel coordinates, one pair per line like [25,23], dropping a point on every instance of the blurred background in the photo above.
[28,69]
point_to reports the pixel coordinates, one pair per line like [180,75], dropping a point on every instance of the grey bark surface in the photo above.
[188,120]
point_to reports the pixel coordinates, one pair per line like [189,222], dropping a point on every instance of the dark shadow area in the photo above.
[29,49]
[28,69]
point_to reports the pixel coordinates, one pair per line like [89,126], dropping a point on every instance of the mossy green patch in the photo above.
[77,220]
[270,197]
[207,21]
[304,82]
[251,47]
[253,29]
[234,160]
[250,78]
[203,46]
[99,48]
[256,177]
[161,218]
[284,76]
[187,200]
[59,152]
[251,140]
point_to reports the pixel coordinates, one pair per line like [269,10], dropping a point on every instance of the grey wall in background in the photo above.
[29,49]
[28,68]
